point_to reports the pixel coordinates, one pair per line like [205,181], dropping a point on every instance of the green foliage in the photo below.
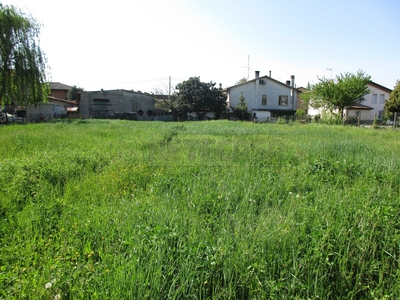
[393,104]
[348,89]
[242,80]
[375,124]
[281,121]
[240,111]
[73,93]
[111,209]
[22,64]
[200,97]
[300,112]
[316,118]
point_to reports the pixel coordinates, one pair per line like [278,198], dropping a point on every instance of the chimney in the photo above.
[292,77]
[220,86]
[270,73]
[288,82]
[257,74]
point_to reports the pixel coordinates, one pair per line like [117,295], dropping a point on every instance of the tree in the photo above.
[242,80]
[22,64]
[166,100]
[200,97]
[393,104]
[347,90]
[73,93]
[240,111]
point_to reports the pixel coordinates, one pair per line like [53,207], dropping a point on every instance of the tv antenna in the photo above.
[248,66]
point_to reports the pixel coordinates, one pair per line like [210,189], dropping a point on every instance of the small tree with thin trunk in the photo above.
[240,111]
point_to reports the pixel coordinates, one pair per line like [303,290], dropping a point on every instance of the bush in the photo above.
[375,124]
[316,118]
[281,121]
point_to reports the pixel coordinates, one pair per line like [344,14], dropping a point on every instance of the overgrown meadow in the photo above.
[198,210]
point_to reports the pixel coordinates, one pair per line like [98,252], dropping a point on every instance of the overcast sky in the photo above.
[137,45]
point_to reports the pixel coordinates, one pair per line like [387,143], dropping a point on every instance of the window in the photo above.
[374,98]
[381,98]
[283,100]
[101,104]
[264,100]
[380,115]
[358,113]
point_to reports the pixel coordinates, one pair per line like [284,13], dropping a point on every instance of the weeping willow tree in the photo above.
[23,69]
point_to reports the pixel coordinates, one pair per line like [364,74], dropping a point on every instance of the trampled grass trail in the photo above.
[107,209]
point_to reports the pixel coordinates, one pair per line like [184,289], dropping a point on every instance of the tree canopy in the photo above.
[393,104]
[345,91]
[23,68]
[200,97]
[73,93]
[242,80]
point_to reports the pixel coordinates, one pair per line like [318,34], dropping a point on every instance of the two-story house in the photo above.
[373,104]
[265,97]
[59,90]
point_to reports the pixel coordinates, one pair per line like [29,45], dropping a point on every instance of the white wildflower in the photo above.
[297,196]
[57,297]
[48,285]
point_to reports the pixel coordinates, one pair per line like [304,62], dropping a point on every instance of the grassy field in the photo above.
[198,210]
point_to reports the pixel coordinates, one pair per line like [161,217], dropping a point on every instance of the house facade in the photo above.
[118,104]
[372,106]
[374,101]
[265,97]
[59,90]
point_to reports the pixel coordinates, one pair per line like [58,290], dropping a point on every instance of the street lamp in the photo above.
[331,71]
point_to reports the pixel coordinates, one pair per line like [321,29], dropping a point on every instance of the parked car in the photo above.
[6,118]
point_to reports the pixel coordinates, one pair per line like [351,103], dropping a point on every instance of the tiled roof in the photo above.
[380,87]
[59,86]
[360,107]
[71,102]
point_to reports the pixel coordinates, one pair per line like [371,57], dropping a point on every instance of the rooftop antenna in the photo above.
[248,66]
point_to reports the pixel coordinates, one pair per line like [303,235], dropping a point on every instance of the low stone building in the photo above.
[117,104]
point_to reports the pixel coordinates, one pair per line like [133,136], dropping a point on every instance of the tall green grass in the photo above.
[198,210]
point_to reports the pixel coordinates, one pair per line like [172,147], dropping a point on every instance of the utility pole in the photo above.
[169,88]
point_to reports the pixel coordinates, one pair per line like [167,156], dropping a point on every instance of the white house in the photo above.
[375,100]
[265,96]
[372,106]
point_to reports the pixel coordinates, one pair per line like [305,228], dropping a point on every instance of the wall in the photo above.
[60,94]
[45,111]
[378,107]
[117,104]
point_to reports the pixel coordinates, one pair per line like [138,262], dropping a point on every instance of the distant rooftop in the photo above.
[59,86]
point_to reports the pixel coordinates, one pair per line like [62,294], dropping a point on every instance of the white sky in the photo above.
[137,45]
